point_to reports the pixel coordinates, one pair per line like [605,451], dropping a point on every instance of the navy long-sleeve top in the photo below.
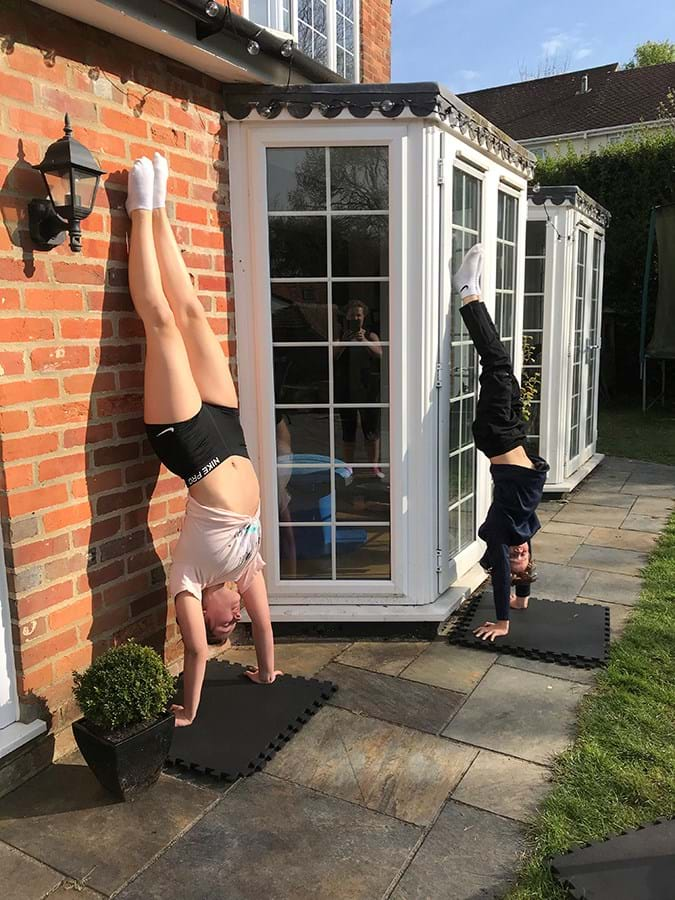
[511,520]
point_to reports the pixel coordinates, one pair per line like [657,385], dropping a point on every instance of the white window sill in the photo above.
[12,737]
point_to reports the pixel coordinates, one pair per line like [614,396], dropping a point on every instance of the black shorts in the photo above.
[196,447]
[370,423]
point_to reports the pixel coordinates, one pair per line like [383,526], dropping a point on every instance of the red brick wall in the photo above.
[376,41]
[88,517]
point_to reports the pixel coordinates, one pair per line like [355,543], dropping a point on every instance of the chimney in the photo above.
[584,84]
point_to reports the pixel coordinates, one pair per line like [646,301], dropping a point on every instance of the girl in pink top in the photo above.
[192,422]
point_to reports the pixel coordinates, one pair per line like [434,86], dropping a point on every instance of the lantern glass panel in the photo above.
[85,184]
[58,185]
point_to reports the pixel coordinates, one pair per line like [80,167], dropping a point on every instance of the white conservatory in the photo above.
[350,203]
[562,315]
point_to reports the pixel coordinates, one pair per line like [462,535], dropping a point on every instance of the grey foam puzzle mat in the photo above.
[241,725]
[635,865]
[570,634]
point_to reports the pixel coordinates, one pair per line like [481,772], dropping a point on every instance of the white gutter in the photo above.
[593,132]
[162,29]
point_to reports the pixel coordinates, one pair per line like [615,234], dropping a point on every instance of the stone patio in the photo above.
[415,781]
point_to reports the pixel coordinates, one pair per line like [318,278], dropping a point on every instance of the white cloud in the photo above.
[583,53]
[573,44]
[469,75]
[554,45]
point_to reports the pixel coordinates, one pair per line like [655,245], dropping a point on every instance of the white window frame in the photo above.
[277,18]
[249,203]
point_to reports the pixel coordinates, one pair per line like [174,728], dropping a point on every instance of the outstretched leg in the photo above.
[209,366]
[170,391]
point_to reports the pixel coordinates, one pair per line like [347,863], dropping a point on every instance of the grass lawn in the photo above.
[620,772]
[623,430]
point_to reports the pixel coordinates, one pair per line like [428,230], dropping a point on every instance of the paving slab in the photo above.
[608,481]
[653,506]
[611,588]
[519,713]
[396,700]
[454,668]
[617,464]
[554,527]
[547,509]
[273,839]
[504,785]
[554,548]
[618,616]
[651,524]
[24,878]
[656,488]
[558,582]
[73,890]
[595,497]
[469,854]
[394,770]
[550,670]
[64,818]
[386,657]
[621,539]
[609,559]
[294,659]
[586,514]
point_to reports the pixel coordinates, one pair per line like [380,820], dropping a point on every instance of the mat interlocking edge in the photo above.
[570,634]
[637,864]
[241,725]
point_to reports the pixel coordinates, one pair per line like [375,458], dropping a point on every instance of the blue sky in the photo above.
[483,43]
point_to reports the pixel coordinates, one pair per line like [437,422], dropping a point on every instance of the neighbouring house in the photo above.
[585,110]
[307,192]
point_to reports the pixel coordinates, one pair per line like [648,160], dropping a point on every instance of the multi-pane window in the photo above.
[577,348]
[533,326]
[593,350]
[466,231]
[325,30]
[507,230]
[328,214]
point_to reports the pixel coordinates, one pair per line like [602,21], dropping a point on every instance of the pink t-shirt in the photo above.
[215,546]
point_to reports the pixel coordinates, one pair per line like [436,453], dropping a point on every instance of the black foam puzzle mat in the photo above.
[570,634]
[635,865]
[241,725]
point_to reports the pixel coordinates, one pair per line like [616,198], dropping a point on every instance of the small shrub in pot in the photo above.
[126,731]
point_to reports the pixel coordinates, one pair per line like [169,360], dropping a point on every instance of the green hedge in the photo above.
[628,178]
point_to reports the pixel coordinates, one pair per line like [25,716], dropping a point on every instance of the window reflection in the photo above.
[297,246]
[296,178]
[375,297]
[301,375]
[359,178]
[360,245]
[299,312]
[363,553]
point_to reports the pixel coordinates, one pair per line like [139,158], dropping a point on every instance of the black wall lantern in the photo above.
[71,176]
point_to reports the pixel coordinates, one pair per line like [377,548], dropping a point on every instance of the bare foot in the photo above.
[518,602]
[182,719]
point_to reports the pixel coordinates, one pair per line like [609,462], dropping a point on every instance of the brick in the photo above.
[123,590]
[25,581]
[107,456]
[64,102]
[12,363]
[41,600]
[131,379]
[144,560]
[14,421]
[26,121]
[94,578]
[75,661]
[87,329]
[171,137]
[111,620]
[92,382]
[213,239]
[96,531]
[188,165]
[68,615]
[61,414]
[19,504]
[187,212]
[119,405]
[118,277]
[119,500]
[146,103]
[186,119]
[78,273]
[39,550]
[34,680]
[97,484]
[23,529]
[9,298]
[147,603]
[197,260]
[168,486]
[110,301]
[49,298]
[123,122]
[50,359]
[100,142]
[91,434]
[58,569]
[15,477]
[13,392]
[131,428]
[26,330]
[130,328]
[62,466]
[74,514]
[29,447]
[15,88]
[141,516]
[142,471]
[178,187]
[10,150]
[122,546]
[20,269]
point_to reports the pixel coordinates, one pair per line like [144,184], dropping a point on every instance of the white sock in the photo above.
[466,280]
[141,180]
[161,167]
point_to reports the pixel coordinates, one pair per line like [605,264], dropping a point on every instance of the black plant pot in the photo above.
[128,766]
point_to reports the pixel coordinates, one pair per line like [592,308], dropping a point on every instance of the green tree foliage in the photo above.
[651,53]
[127,685]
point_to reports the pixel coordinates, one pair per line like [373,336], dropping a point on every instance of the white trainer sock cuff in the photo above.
[141,180]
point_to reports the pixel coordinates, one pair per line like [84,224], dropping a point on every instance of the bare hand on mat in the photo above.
[181,716]
[254,675]
[491,630]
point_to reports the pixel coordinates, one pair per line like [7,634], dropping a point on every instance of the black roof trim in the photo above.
[421,99]
[572,194]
